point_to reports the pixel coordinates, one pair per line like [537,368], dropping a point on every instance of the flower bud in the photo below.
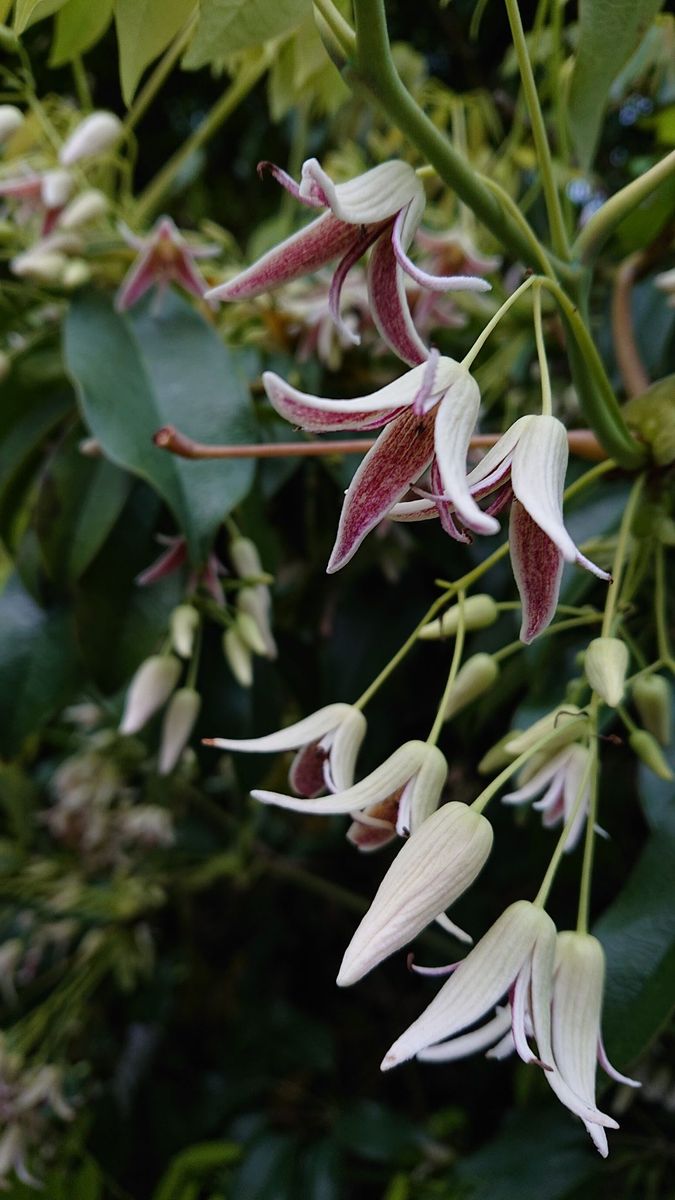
[238,657]
[40,266]
[565,719]
[11,118]
[9,42]
[56,187]
[250,634]
[256,603]
[178,723]
[606,663]
[76,274]
[496,757]
[88,206]
[5,365]
[95,135]
[473,679]
[438,862]
[651,697]
[184,624]
[479,612]
[648,750]
[150,687]
[245,557]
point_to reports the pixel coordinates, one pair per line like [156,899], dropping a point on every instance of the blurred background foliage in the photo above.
[180,973]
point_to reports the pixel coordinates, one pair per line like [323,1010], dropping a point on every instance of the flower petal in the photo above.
[306,775]
[537,567]
[318,414]
[141,276]
[469,1043]
[318,243]
[310,729]
[434,283]
[400,455]
[389,304]
[344,750]
[392,774]
[414,510]
[352,256]
[374,196]
[455,422]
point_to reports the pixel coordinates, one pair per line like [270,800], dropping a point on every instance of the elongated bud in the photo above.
[11,119]
[86,207]
[651,697]
[431,870]
[56,187]
[238,657]
[41,266]
[255,603]
[183,625]
[565,720]
[250,634]
[76,273]
[245,557]
[96,134]
[150,687]
[473,679]
[496,757]
[5,365]
[648,750]
[179,719]
[479,612]
[606,663]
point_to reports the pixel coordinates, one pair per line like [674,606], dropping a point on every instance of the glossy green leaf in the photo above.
[78,502]
[39,668]
[79,25]
[228,25]
[638,932]
[195,1166]
[169,369]
[609,32]
[144,30]
[29,12]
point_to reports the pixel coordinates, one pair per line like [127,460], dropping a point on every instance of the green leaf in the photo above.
[38,665]
[144,30]
[169,369]
[79,25]
[78,502]
[29,12]
[638,933]
[26,420]
[609,32]
[228,25]
[196,1163]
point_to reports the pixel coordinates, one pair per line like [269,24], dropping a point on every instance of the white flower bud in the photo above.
[479,612]
[651,697]
[432,869]
[564,719]
[76,274]
[95,135]
[606,664]
[179,719]
[473,679]
[648,750]
[40,266]
[5,365]
[245,557]
[11,118]
[184,625]
[250,633]
[150,687]
[56,187]
[238,657]
[256,603]
[88,206]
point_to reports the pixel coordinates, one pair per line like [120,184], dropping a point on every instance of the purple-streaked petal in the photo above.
[444,508]
[186,274]
[314,246]
[434,283]
[354,253]
[389,304]
[306,775]
[22,187]
[309,729]
[400,455]
[172,558]
[413,510]
[537,566]
[302,409]
[282,177]
[141,276]
[456,418]
[368,838]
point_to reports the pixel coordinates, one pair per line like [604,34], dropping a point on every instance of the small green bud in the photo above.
[245,557]
[184,624]
[479,612]
[238,657]
[473,679]
[652,698]
[9,42]
[652,416]
[497,756]
[648,750]
[606,663]
[249,633]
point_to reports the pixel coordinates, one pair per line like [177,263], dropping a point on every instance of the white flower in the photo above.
[560,779]
[149,689]
[431,870]
[179,719]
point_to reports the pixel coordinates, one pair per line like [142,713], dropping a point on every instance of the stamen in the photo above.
[412,966]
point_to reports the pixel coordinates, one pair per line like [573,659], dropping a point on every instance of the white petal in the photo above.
[373,196]
[385,779]
[426,787]
[498,454]
[538,478]
[538,781]
[310,729]
[345,747]
[455,422]
[394,395]
[454,930]
[438,862]
[469,1043]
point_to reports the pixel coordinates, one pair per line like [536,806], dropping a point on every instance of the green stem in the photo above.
[589,841]
[542,148]
[660,600]
[340,29]
[599,403]
[492,324]
[152,197]
[498,782]
[594,235]
[452,673]
[538,252]
[160,74]
[619,556]
[81,84]
[546,883]
[375,71]
[408,644]
[558,627]
[546,395]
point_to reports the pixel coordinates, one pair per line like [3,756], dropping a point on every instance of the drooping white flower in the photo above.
[179,719]
[561,780]
[431,870]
